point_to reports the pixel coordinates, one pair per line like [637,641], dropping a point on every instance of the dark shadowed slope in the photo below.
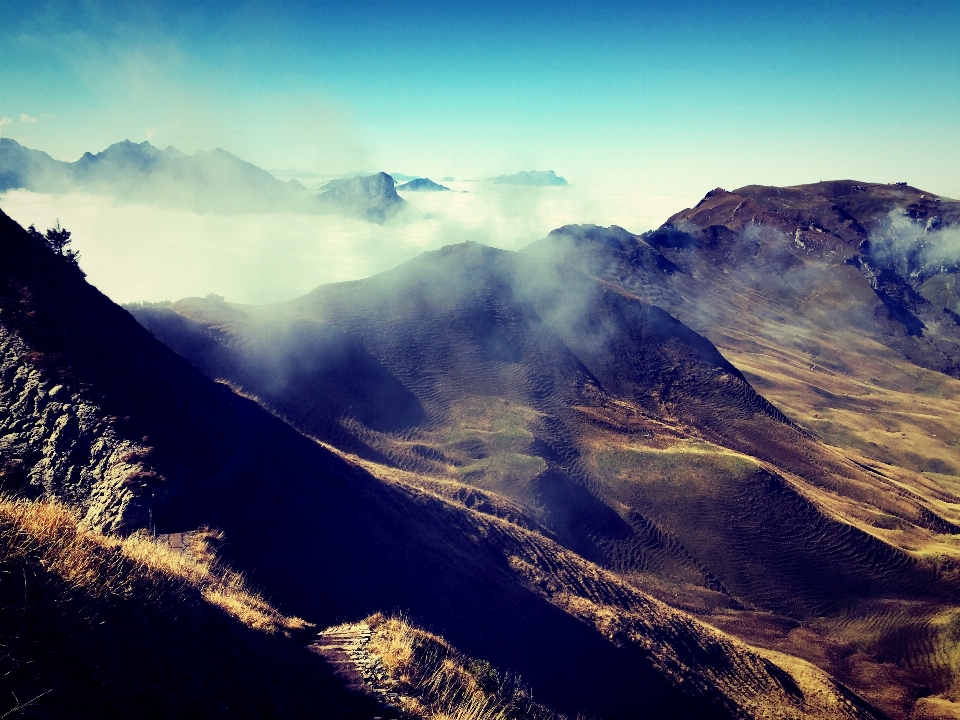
[99,413]
[98,627]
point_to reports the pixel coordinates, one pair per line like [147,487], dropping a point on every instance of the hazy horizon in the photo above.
[663,97]
[138,252]
[642,107]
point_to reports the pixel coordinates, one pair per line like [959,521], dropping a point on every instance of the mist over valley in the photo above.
[154,243]
[426,362]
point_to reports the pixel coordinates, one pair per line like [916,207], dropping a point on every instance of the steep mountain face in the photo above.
[551,377]
[371,197]
[86,389]
[903,241]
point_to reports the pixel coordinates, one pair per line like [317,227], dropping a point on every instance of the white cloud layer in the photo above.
[140,252]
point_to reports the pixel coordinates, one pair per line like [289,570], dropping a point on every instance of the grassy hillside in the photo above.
[105,627]
[434,679]
[101,627]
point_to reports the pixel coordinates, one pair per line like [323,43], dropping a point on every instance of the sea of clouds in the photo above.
[139,252]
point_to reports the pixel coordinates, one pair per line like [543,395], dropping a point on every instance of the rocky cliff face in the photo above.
[57,443]
[62,434]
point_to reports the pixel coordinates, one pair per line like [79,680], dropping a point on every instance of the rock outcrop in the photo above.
[56,442]
[370,197]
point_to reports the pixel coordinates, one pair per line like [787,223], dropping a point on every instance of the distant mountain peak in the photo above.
[541,178]
[423,185]
[372,197]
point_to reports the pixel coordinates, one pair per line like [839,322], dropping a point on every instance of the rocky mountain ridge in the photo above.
[422,185]
[540,178]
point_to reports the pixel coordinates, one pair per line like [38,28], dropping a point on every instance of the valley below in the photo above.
[707,471]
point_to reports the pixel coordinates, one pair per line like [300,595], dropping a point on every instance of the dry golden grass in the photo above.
[104,627]
[874,402]
[436,682]
[935,708]
[688,653]
[675,470]
[102,566]
[484,442]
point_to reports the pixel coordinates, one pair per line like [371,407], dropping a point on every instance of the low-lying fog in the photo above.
[138,252]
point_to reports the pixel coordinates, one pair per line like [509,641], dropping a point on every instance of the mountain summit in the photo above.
[371,197]
[422,185]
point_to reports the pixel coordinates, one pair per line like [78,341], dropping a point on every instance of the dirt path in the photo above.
[345,648]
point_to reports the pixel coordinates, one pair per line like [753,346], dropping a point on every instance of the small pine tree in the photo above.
[57,239]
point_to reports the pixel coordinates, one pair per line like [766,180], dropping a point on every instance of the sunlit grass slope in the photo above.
[102,627]
[435,680]
[699,661]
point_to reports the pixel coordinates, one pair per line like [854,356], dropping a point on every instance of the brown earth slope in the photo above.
[97,413]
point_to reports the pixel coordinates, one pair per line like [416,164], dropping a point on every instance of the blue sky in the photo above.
[672,97]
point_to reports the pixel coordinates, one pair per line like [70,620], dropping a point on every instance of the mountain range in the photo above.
[207,181]
[103,417]
[706,471]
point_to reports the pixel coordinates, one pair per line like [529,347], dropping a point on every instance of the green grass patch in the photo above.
[694,464]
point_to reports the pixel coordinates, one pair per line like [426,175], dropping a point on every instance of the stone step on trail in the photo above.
[344,647]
